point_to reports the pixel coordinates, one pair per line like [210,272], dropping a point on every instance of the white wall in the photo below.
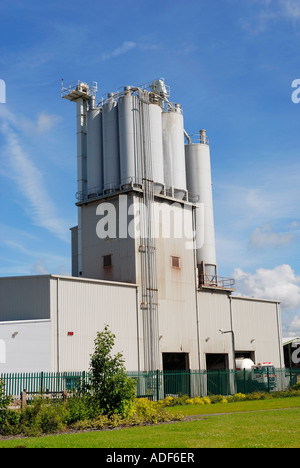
[83,307]
[25,346]
[256,325]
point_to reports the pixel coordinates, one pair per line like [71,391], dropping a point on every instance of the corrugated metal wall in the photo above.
[26,346]
[176,285]
[83,308]
[257,326]
[24,298]
[214,314]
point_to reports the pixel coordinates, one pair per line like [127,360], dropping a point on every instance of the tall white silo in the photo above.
[111,159]
[174,152]
[199,183]
[156,145]
[129,135]
[94,149]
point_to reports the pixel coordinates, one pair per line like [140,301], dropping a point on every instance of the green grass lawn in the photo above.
[268,423]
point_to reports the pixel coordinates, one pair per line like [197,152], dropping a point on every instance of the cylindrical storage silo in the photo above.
[174,153]
[129,134]
[156,145]
[199,184]
[94,151]
[111,159]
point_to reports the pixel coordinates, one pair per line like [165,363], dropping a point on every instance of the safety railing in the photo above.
[156,385]
[216,281]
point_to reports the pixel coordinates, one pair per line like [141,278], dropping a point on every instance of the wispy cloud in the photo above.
[43,123]
[270,11]
[264,236]
[123,49]
[290,9]
[28,178]
[126,47]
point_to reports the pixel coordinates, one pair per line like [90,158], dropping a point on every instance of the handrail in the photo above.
[215,281]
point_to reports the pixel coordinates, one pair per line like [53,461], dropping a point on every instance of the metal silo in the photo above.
[129,135]
[156,146]
[199,183]
[94,150]
[111,159]
[174,153]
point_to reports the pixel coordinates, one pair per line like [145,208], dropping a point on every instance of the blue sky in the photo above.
[230,63]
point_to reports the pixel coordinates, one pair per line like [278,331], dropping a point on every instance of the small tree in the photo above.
[112,390]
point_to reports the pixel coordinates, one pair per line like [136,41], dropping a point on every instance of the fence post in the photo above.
[157,385]
[42,379]
[268,376]
[23,399]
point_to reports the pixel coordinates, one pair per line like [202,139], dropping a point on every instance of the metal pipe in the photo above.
[57,321]
[187,136]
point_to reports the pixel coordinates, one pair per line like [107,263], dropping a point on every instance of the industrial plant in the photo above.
[143,252]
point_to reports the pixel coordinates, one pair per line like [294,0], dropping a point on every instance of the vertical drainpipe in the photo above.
[57,321]
[138,326]
[232,332]
[279,337]
[196,290]
[81,168]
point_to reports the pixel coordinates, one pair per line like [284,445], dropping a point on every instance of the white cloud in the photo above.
[30,181]
[39,268]
[290,8]
[264,236]
[127,46]
[270,11]
[279,283]
[44,123]
[295,326]
[123,49]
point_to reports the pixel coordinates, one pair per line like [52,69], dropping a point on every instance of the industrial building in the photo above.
[143,253]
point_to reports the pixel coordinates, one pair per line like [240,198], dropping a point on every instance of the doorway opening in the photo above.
[175,361]
[218,382]
[216,361]
[176,374]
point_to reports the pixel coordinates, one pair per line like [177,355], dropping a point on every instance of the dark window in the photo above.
[107,261]
[175,262]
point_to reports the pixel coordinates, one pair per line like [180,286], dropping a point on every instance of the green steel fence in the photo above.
[159,384]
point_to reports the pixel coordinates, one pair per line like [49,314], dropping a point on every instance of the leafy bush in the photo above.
[43,417]
[5,400]
[111,390]
[142,411]
[9,419]
[297,386]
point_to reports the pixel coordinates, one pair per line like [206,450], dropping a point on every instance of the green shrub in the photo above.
[43,417]
[145,411]
[50,419]
[9,419]
[111,390]
[9,422]
[297,386]
[78,409]
[142,411]
[5,400]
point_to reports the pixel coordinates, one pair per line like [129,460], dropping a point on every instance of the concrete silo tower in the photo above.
[199,183]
